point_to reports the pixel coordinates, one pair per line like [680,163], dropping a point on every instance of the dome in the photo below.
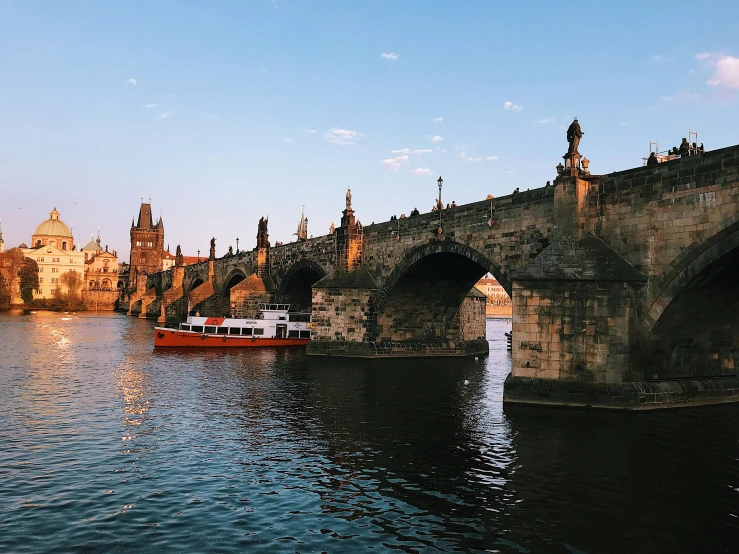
[53,227]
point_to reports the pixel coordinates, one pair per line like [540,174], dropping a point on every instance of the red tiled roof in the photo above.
[488,282]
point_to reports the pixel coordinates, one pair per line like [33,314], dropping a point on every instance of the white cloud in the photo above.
[509,172]
[164,115]
[703,56]
[726,73]
[419,152]
[511,106]
[545,120]
[288,140]
[435,138]
[150,105]
[390,55]
[131,81]
[438,119]
[392,164]
[474,159]
[342,136]
[420,171]
[661,58]
[311,131]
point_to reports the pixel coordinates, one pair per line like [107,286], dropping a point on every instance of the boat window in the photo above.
[234,330]
[272,306]
[299,317]
[293,334]
[282,317]
[304,334]
[246,331]
[223,330]
[210,329]
[258,331]
[197,328]
[184,327]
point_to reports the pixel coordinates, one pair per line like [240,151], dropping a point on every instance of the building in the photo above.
[498,302]
[101,267]
[494,291]
[147,244]
[53,249]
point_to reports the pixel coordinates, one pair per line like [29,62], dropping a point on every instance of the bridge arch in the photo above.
[421,298]
[295,286]
[690,326]
[234,277]
[194,282]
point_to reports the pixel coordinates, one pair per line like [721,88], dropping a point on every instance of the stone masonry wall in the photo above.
[100,300]
[341,314]
[573,330]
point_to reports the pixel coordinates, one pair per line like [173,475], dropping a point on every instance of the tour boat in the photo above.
[276,326]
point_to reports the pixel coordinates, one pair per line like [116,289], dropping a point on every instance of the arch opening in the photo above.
[434,299]
[225,304]
[195,284]
[297,287]
[697,335]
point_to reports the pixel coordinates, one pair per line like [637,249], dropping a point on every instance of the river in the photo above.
[110,446]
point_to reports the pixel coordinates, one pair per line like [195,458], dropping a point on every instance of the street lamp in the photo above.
[237,245]
[198,256]
[440,181]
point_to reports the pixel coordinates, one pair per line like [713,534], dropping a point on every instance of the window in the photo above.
[64,245]
[55,280]
[222,330]
[38,291]
[40,280]
[38,243]
[41,259]
[247,331]
[293,334]
[298,317]
[184,327]
[234,331]
[40,269]
[304,334]
[54,270]
[258,331]
[197,328]
[210,329]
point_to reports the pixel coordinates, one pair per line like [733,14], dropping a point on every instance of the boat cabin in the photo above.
[275,321]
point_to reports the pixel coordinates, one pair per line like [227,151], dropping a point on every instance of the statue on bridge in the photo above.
[178,259]
[348,199]
[574,134]
[212,249]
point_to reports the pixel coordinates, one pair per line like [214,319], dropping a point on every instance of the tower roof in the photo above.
[146,221]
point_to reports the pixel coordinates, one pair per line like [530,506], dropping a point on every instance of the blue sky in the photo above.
[223,112]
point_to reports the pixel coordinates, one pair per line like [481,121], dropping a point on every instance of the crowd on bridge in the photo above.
[685,149]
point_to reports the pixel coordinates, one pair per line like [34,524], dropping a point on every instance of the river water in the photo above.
[109,446]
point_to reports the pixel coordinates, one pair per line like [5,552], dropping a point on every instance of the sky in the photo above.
[223,112]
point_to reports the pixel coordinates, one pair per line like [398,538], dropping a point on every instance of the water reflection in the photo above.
[271,451]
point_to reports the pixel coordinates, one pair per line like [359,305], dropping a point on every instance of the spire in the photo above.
[145,219]
[302,227]
[98,239]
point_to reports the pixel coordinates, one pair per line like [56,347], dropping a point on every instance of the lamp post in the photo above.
[198,256]
[440,181]
[237,245]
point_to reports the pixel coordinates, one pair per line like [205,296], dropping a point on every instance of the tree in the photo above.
[29,279]
[4,294]
[73,281]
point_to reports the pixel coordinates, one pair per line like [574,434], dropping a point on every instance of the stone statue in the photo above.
[178,259]
[574,134]
[332,228]
[348,198]
[213,248]
[230,251]
[178,252]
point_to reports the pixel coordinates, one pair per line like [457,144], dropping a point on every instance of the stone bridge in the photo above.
[623,285]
